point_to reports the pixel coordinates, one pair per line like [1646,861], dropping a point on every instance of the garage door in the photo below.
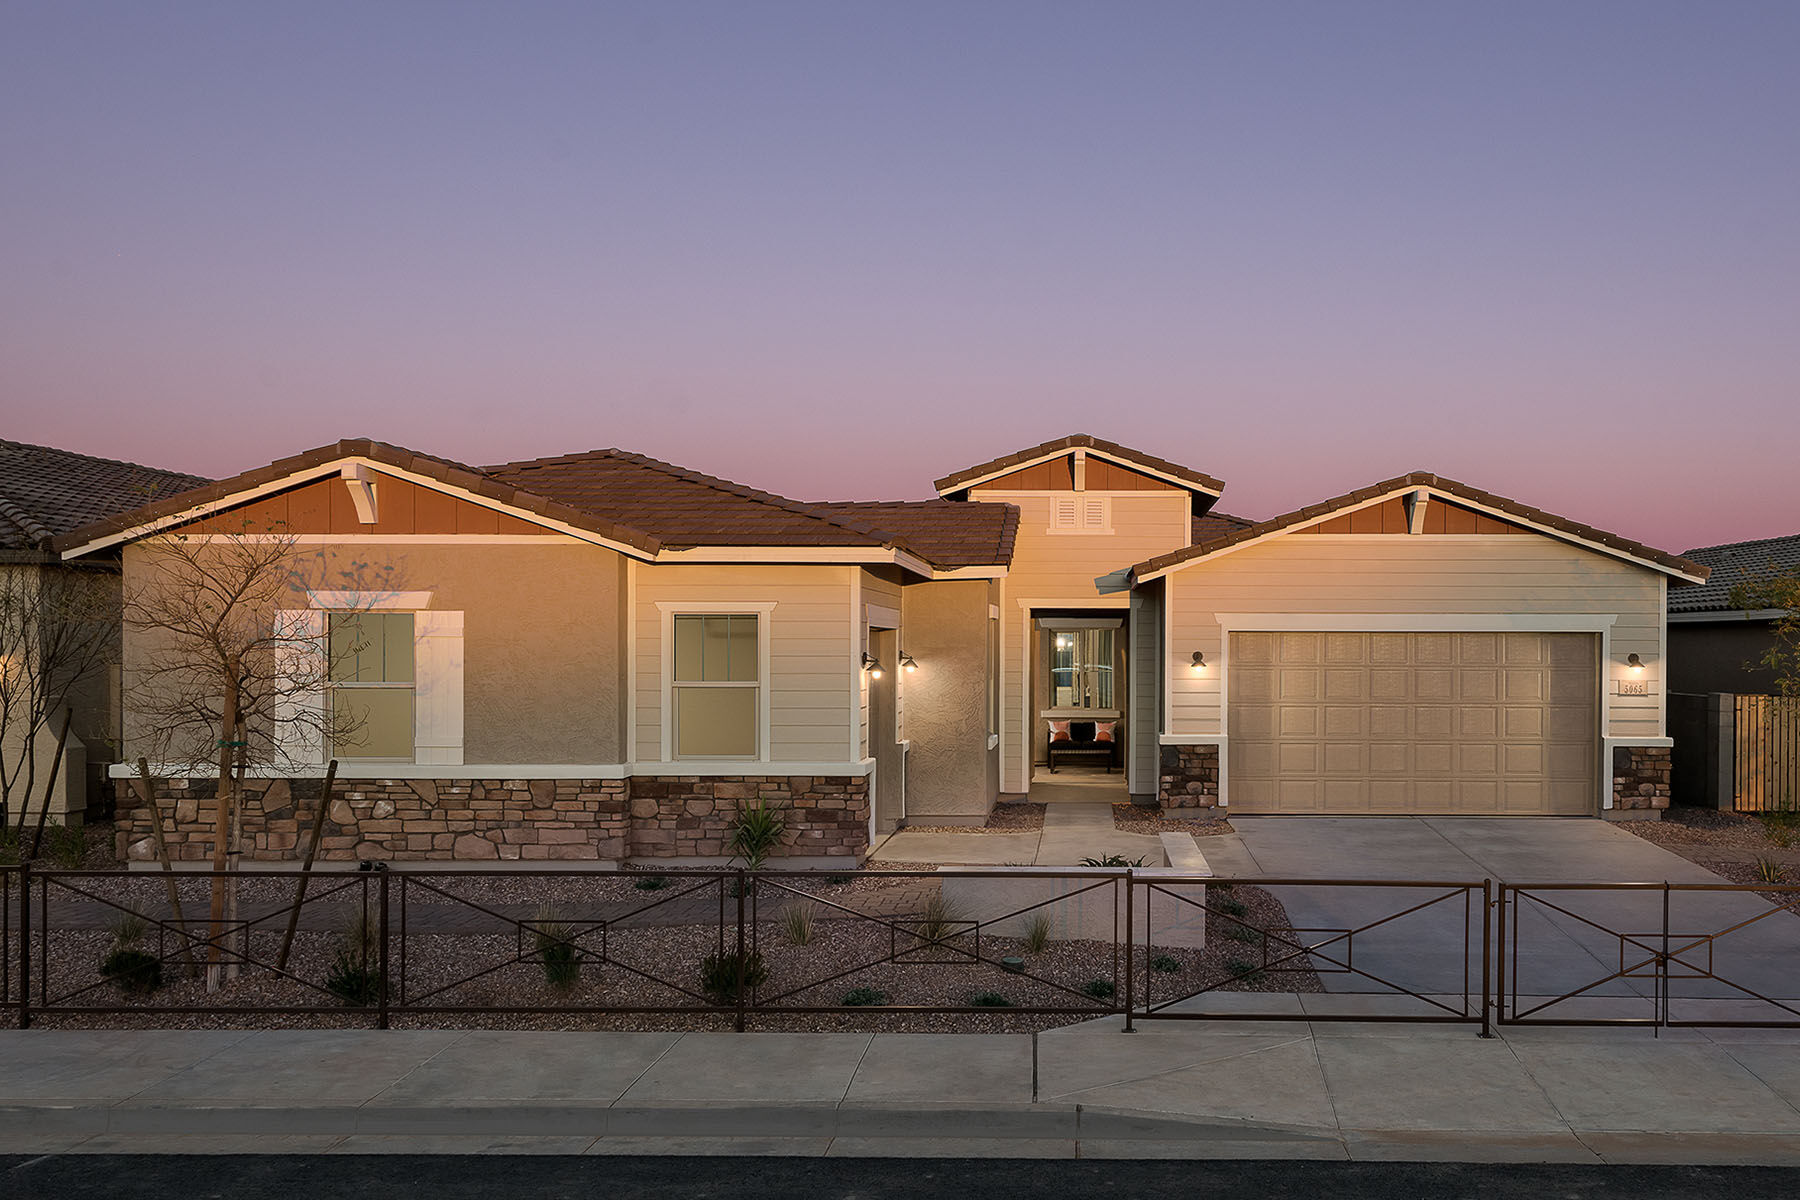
[1503,723]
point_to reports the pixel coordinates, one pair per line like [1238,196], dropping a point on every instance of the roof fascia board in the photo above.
[334,469]
[1500,514]
[1719,616]
[1141,468]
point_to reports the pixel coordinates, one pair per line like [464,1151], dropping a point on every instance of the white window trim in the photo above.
[368,601]
[668,610]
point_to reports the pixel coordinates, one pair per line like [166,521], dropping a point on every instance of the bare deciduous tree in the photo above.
[227,675]
[58,632]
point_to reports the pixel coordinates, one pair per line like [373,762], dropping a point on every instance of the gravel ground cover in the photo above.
[1149,819]
[1018,816]
[867,938]
[1691,832]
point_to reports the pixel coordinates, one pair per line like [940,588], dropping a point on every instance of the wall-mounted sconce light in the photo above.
[1199,663]
[907,664]
[872,665]
[1634,664]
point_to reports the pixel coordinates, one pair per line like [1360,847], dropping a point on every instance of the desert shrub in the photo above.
[1168,964]
[865,997]
[1767,870]
[1245,971]
[1099,989]
[1113,860]
[1037,932]
[938,919]
[651,883]
[723,975]
[755,831]
[989,1000]
[1231,906]
[65,846]
[1237,931]
[557,952]
[9,845]
[835,880]
[137,972]
[797,921]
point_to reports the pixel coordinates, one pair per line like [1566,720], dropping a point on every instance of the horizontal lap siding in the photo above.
[1073,570]
[1387,574]
[809,690]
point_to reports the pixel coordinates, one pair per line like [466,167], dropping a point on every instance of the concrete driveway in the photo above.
[1727,945]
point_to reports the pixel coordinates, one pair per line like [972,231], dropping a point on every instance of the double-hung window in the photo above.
[372,684]
[716,689]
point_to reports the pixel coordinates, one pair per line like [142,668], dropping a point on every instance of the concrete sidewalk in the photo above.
[1248,1089]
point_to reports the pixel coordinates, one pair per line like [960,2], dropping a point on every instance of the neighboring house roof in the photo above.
[948,532]
[1732,564]
[1210,525]
[45,491]
[198,501]
[1549,523]
[1186,476]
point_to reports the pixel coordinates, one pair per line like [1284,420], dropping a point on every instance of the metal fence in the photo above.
[743,949]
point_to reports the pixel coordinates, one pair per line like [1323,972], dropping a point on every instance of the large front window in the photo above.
[372,684]
[716,690]
[1081,668]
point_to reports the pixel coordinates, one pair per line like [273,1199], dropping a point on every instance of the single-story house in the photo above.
[45,492]
[1715,646]
[599,655]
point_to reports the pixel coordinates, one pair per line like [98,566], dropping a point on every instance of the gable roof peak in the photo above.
[1186,477]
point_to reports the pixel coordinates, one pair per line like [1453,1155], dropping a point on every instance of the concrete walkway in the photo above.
[1253,1089]
[1073,830]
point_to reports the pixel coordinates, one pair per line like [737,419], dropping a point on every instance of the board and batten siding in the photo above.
[1392,576]
[808,692]
[1070,570]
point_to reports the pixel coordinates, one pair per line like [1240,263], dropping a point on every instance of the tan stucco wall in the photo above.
[949,767]
[542,678]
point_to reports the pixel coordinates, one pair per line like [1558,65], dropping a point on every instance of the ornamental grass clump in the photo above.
[726,977]
[1037,932]
[136,972]
[353,978]
[557,952]
[797,921]
[939,919]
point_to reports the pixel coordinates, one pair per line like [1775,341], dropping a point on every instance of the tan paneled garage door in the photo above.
[1503,723]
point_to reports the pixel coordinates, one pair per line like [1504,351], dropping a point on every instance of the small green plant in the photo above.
[557,952]
[865,997]
[1780,827]
[1231,906]
[756,831]
[989,1000]
[1244,971]
[1239,932]
[1099,989]
[797,921]
[1113,860]
[939,918]
[1224,889]
[725,976]
[353,978]
[9,846]
[65,846]
[135,971]
[1168,964]
[1767,870]
[651,883]
[1037,932]
[836,880]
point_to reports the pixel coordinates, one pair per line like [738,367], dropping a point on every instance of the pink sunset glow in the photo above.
[838,251]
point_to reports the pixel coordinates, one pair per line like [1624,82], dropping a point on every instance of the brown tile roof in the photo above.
[441,469]
[684,508]
[1210,525]
[45,491]
[1623,546]
[949,533]
[1205,483]
[1732,564]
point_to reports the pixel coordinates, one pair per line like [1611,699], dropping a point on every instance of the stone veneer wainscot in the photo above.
[1640,776]
[476,820]
[1189,776]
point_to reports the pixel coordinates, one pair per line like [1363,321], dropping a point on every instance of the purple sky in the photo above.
[838,249]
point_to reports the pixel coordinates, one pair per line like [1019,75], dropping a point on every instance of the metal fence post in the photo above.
[1487,956]
[25,945]
[381,979]
[742,886]
[1662,967]
[1130,951]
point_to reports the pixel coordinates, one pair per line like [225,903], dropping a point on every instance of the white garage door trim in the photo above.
[1595,623]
